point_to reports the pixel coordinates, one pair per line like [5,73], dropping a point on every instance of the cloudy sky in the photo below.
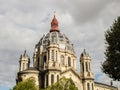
[23,23]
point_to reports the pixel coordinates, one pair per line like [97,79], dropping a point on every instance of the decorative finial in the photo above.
[20,56]
[25,51]
[54,24]
[84,53]
[54,13]
[25,54]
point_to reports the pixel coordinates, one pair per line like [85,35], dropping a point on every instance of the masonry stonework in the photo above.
[54,57]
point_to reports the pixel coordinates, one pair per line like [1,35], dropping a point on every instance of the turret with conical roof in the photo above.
[85,63]
[86,71]
[24,62]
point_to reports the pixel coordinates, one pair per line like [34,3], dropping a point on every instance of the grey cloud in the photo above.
[8,64]
[23,23]
[84,11]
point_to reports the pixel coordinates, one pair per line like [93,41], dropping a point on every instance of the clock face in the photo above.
[62,46]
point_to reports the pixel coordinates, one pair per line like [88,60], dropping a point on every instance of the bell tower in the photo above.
[86,71]
[24,62]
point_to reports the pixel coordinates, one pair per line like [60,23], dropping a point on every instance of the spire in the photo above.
[25,54]
[24,62]
[84,53]
[54,24]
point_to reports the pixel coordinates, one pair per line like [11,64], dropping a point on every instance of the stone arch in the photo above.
[88,86]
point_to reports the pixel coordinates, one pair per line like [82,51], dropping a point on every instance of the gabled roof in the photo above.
[74,72]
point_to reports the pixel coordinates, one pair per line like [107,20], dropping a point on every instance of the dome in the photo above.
[56,38]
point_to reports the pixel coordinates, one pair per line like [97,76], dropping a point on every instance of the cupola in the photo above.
[54,25]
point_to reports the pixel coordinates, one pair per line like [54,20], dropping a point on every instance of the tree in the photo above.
[28,84]
[111,66]
[63,84]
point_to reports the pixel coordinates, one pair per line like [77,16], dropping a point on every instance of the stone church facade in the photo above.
[54,57]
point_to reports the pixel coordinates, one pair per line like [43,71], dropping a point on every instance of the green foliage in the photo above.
[112,54]
[28,84]
[63,84]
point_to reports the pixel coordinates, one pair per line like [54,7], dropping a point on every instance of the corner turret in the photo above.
[24,62]
[86,71]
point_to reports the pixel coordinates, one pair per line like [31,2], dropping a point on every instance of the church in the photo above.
[54,57]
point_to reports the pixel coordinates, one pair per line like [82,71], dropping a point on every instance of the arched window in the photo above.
[73,63]
[52,79]
[88,86]
[45,58]
[69,61]
[52,55]
[23,66]
[48,55]
[57,77]
[83,67]
[92,87]
[86,66]
[62,59]
[53,39]
[27,65]
[89,66]
[46,80]
[56,55]
[38,62]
